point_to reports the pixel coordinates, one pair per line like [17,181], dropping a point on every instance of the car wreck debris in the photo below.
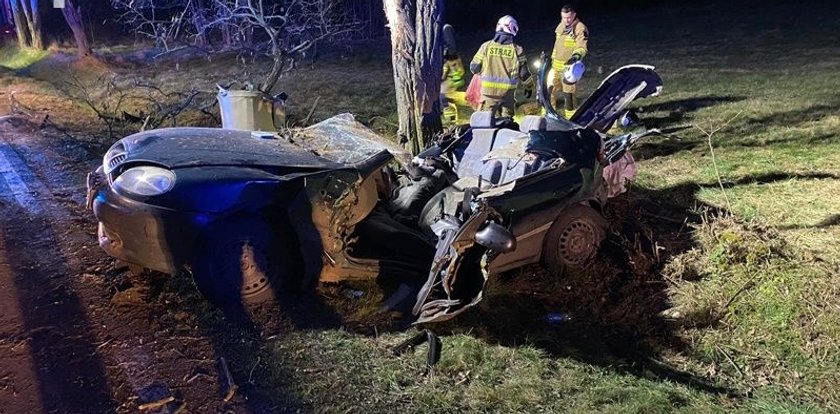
[424,336]
[334,201]
[230,386]
[156,404]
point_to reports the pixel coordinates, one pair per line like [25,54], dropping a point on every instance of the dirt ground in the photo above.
[77,334]
[80,334]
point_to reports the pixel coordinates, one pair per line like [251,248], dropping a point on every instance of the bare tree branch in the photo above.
[285,30]
[123,104]
[709,134]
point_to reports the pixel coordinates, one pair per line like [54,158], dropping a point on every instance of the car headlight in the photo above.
[145,181]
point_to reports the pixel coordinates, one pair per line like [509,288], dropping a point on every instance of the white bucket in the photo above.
[250,110]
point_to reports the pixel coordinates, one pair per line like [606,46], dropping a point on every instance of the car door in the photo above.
[458,272]
[609,101]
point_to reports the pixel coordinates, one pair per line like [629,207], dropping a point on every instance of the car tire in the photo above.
[574,239]
[241,263]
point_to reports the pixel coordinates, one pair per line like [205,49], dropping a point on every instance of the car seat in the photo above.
[483,135]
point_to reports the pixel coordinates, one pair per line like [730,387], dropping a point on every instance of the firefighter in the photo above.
[453,79]
[453,73]
[501,65]
[570,43]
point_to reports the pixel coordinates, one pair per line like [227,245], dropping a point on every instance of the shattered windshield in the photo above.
[342,139]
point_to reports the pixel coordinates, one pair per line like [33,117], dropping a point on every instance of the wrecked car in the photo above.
[251,214]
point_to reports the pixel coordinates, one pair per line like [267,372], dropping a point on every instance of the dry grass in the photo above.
[761,315]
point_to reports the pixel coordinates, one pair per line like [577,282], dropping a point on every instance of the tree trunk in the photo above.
[279,61]
[20,25]
[33,23]
[28,23]
[428,58]
[73,17]
[416,55]
[199,22]
[400,14]
[274,75]
[227,37]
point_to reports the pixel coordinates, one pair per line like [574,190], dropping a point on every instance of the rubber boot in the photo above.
[569,104]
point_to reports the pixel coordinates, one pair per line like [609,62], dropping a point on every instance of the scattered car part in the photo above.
[424,336]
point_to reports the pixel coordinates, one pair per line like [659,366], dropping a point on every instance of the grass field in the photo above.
[729,297]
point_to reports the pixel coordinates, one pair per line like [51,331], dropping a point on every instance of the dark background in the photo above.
[467,16]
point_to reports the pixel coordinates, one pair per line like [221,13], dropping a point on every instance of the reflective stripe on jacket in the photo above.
[568,43]
[453,73]
[499,67]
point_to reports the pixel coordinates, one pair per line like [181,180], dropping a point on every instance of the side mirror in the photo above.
[496,238]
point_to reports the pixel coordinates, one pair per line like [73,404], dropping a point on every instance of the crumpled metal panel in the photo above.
[333,199]
[344,140]
[449,290]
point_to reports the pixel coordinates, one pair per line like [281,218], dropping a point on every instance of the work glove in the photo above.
[573,59]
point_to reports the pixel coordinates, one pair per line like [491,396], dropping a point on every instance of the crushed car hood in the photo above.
[193,147]
[333,143]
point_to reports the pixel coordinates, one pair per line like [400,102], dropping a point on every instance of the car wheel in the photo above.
[574,239]
[241,262]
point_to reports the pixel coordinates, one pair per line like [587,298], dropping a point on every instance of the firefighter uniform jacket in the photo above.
[500,67]
[569,41]
[453,75]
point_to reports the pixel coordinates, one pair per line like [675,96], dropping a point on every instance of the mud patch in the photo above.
[611,314]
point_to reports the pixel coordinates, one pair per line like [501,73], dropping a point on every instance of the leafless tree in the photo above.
[289,28]
[105,96]
[416,44]
[159,105]
[28,23]
[129,104]
[73,17]
[284,30]
[163,21]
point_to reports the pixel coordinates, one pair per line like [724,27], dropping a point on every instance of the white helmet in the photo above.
[574,72]
[507,24]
